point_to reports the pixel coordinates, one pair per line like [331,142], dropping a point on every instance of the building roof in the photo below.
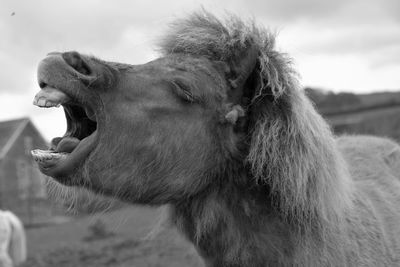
[9,132]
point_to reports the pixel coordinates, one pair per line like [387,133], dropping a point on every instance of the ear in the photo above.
[242,67]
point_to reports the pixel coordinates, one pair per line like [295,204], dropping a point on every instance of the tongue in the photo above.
[67,144]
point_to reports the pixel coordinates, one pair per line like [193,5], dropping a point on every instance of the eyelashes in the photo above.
[182,90]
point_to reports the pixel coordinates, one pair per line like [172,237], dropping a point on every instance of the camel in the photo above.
[218,128]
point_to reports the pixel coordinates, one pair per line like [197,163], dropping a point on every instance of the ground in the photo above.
[122,238]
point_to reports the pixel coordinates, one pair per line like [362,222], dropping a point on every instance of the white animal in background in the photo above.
[12,240]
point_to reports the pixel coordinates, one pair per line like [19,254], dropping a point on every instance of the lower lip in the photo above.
[69,162]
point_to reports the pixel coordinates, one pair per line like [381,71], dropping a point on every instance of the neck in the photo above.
[232,224]
[238,224]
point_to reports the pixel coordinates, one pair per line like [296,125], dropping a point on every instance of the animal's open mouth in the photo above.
[67,152]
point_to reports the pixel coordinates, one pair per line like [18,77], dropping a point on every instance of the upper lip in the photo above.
[50,97]
[81,119]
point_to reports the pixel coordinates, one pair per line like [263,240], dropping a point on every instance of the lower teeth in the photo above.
[45,155]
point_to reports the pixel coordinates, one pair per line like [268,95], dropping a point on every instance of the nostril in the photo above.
[75,61]
[42,85]
[53,53]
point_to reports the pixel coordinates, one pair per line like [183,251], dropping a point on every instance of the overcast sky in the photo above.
[341,45]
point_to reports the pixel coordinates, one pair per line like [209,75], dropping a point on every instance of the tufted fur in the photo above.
[319,210]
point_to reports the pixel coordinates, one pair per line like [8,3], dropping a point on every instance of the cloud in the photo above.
[327,12]
[388,58]
[96,27]
[376,45]
[347,73]
[368,29]
[287,10]
[344,43]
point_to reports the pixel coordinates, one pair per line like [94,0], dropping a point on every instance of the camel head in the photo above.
[173,127]
[148,133]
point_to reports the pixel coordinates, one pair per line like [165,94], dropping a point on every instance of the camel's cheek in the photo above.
[154,165]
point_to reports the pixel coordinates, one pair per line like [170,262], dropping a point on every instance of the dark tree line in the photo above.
[330,103]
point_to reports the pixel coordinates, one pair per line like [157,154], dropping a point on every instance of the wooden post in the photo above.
[28,172]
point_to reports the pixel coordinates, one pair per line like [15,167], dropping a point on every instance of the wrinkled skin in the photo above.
[132,151]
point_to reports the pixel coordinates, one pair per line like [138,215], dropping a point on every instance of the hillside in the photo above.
[329,103]
[384,122]
[348,113]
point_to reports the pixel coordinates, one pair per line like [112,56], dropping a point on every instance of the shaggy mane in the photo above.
[281,138]
[312,195]
[202,34]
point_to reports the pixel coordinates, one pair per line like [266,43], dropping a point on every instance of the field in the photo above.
[381,122]
[128,237]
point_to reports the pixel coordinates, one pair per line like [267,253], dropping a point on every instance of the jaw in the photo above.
[63,165]
[68,153]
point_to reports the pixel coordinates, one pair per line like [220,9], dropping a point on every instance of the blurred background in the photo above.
[347,53]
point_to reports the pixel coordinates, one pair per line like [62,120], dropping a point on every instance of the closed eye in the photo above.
[182,91]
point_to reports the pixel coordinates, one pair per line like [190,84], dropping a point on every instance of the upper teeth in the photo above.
[50,97]
[41,102]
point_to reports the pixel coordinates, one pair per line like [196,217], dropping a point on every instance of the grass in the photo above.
[118,238]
